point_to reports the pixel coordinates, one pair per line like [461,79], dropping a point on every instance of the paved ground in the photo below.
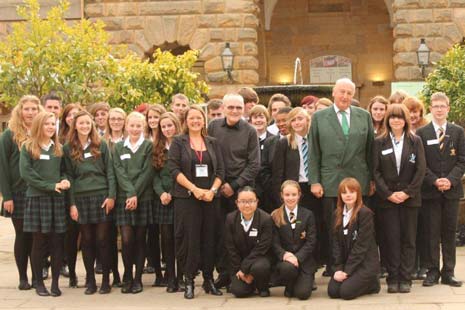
[439,297]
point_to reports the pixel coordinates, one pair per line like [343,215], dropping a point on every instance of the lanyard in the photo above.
[199,154]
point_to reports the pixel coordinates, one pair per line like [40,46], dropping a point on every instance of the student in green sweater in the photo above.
[92,195]
[44,215]
[12,187]
[133,168]
[163,208]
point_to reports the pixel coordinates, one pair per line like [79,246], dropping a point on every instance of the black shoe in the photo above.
[171,288]
[421,275]
[41,290]
[222,281]
[376,288]
[105,288]
[44,273]
[55,292]
[393,288]
[137,287]
[149,269]
[64,271]
[24,285]
[98,268]
[288,293]
[451,280]
[127,287]
[91,288]
[189,292]
[73,282]
[160,281]
[210,288]
[431,279]
[264,293]
[116,282]
[404,287]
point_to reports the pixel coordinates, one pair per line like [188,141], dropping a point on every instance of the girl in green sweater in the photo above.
[44,215]
[92,196]
[133,168]
[12,187]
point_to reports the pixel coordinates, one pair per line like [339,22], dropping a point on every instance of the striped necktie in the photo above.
[441,137]
[305,155]
[344,123]
[292,219]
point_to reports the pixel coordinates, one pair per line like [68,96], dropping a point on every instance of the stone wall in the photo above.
[200,24]
[441,22]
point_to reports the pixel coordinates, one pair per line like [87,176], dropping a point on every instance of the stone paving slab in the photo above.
[439,297]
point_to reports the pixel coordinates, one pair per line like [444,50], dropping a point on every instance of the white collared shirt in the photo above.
[136,146]
[347,214]
[47,147]
[302,175]
[397,146]
[288,212]
[273,129]
[436,128]
[121,138]
[246,224]
[339,115]
[86,145]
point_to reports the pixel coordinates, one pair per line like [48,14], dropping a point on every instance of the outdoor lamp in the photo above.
[227,59]
[423,53]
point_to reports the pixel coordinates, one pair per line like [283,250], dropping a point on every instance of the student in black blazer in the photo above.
[294,239]
[444,145]
[355,251]
[196,164]
[248,238]
[398,169]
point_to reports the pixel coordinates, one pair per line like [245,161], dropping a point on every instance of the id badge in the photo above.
[253,233]
[201,171]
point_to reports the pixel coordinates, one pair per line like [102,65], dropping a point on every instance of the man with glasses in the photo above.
[444,145]
[239,143]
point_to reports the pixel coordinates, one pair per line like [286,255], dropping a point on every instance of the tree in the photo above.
[449,77]
[78,63]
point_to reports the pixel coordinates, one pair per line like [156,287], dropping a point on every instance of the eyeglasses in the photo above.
[246,202]
[439,107]
[231,107]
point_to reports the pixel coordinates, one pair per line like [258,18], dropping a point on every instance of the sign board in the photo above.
[328,69]
[411,88]
[8,9]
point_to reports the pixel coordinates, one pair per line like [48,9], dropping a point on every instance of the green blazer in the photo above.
[333,157]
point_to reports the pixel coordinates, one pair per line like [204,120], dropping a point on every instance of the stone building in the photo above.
[379,37]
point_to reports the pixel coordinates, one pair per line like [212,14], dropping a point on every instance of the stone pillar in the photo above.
[204,25]
[440,22]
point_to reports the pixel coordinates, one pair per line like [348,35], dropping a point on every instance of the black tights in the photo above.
[39,241]
[113,240]
[96,236]
[133,238]
[71,247]
[167,245]
[153,248]
[22,248]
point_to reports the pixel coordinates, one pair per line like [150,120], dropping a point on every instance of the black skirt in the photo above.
[45,214]
[141,216]
[90,210]
[19,201]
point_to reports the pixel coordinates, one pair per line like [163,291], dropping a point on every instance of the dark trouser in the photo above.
[39,244]
[95,238]
[442,222]
[222,264]
[400,229]
[260,270]
[353,287]
[195,234]
[71,247]
[310,202]
[153,248]
[373,204]
[297,282]
[328,206]
[423,238]
[168,246]
[22,249]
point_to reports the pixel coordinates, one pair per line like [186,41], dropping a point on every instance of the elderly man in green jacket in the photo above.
[340,138]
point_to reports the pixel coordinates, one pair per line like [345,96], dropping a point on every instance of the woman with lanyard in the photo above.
[12,186]
[196,163]
[163,208]
[398,169]
[92,196]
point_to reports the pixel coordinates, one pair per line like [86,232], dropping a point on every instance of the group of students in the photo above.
[258,202]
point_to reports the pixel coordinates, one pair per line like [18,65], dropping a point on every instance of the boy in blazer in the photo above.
[248,238]
[444,145]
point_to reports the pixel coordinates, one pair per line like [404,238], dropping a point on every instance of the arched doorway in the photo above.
[360,30]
